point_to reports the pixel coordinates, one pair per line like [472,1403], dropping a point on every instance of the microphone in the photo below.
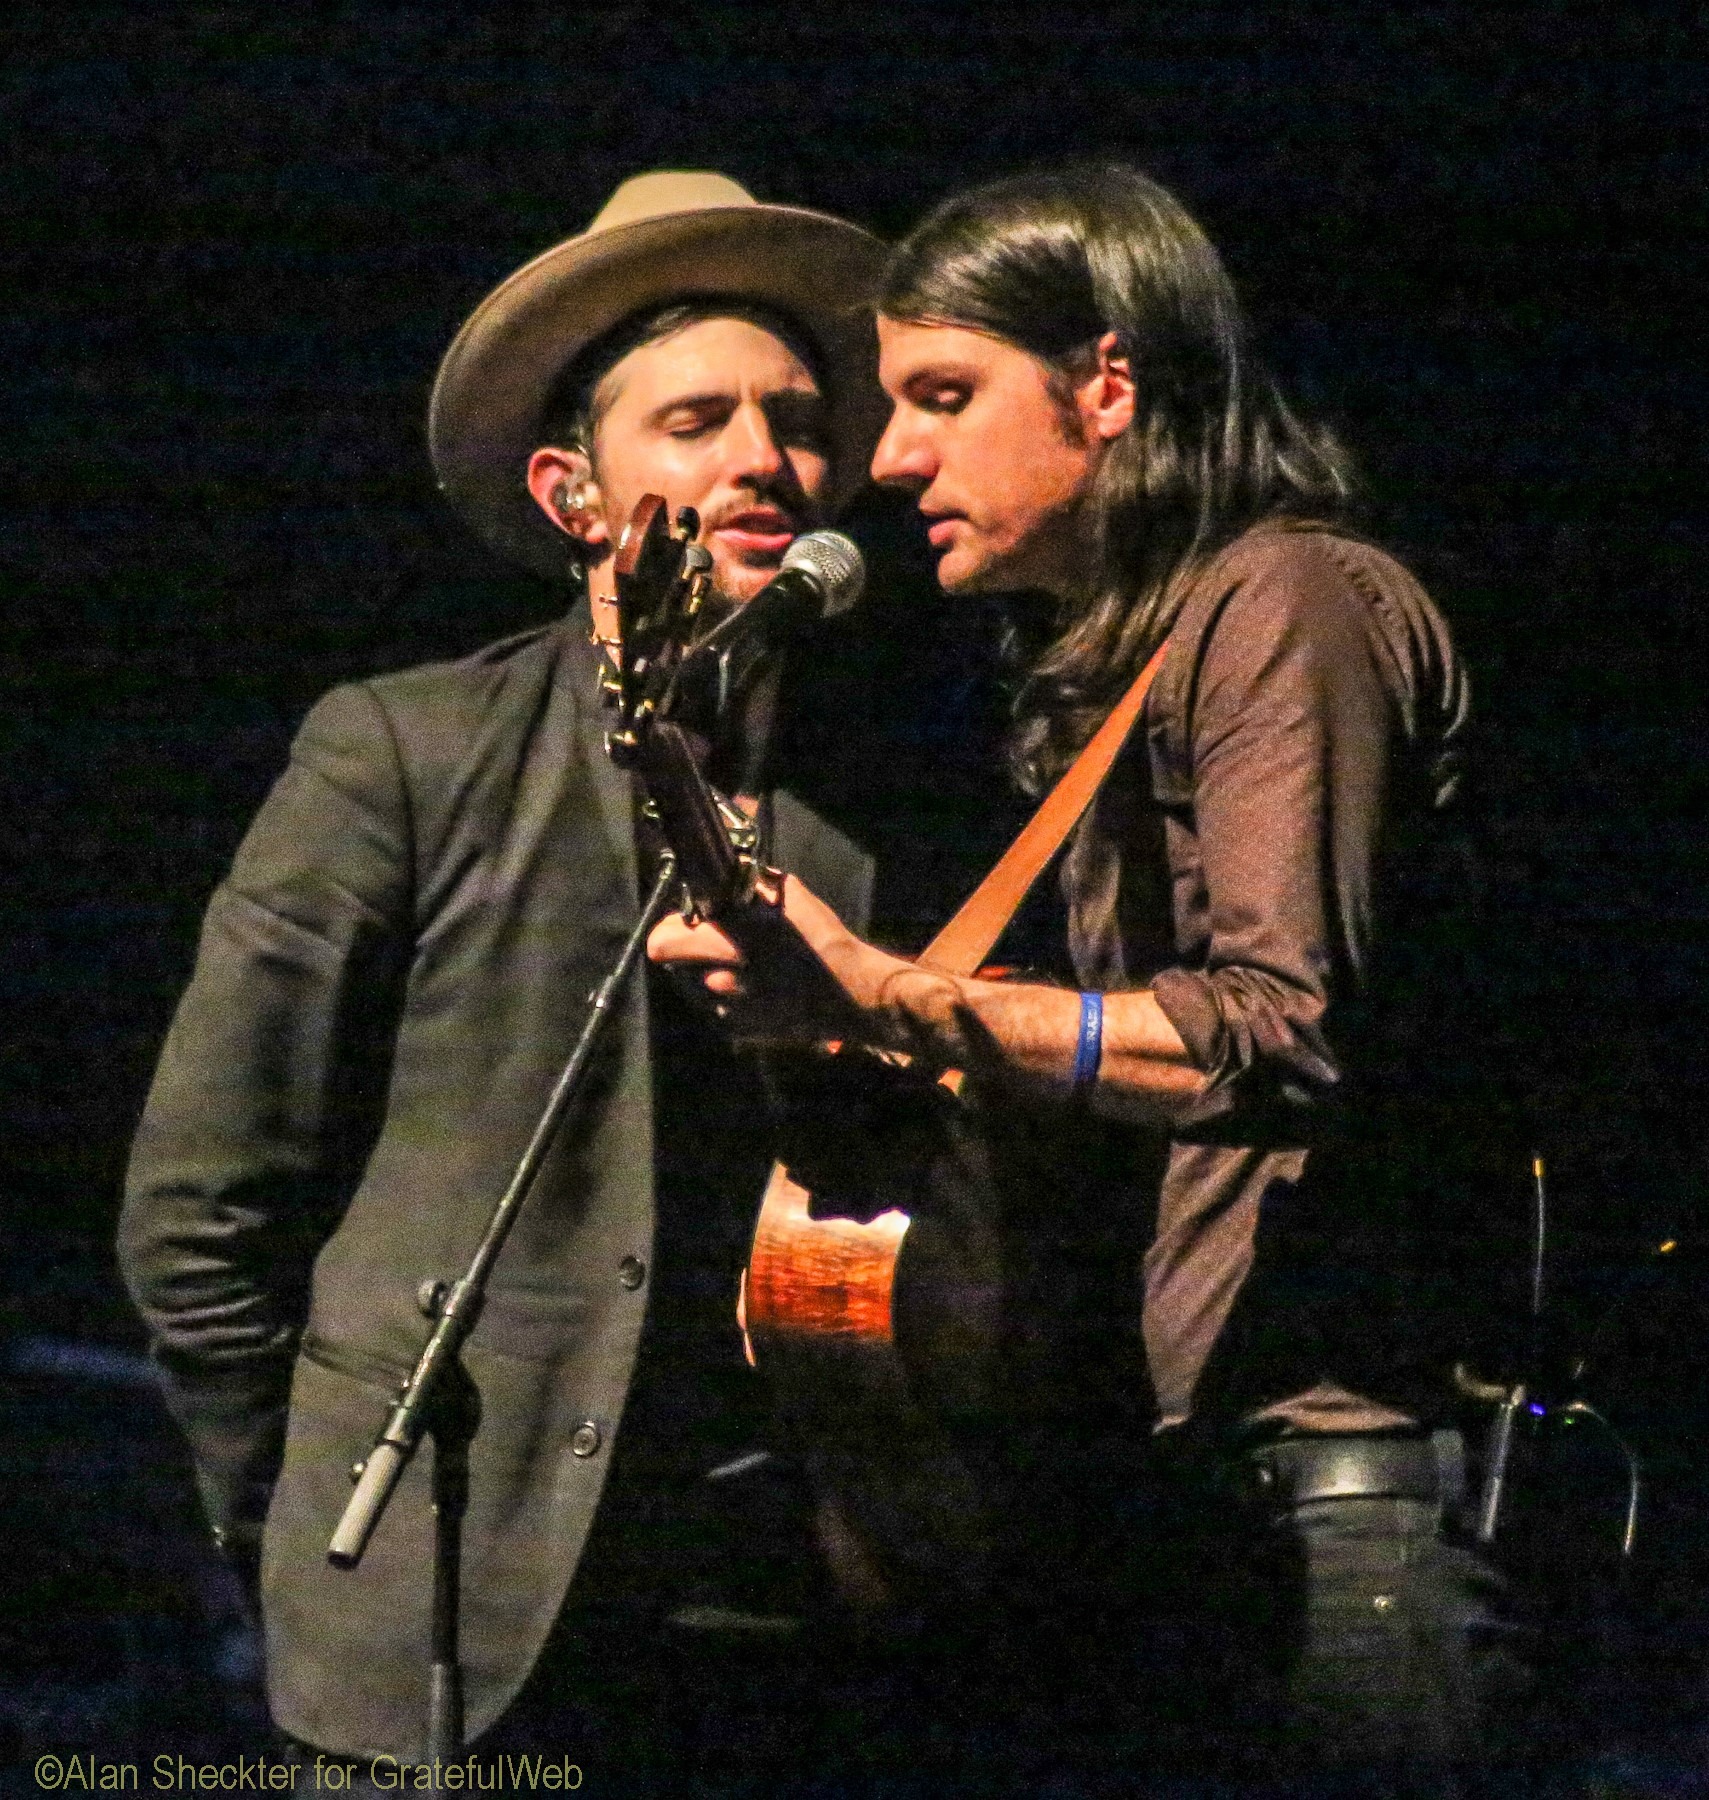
[822,576]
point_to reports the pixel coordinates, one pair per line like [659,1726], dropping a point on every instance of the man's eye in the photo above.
[693,426]
[807,435]
[947,399]
[799,422]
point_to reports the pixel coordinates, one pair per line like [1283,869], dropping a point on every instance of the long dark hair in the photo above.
[1052,262]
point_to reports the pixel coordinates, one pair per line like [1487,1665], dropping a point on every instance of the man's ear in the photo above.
[564,489]
[1106,397]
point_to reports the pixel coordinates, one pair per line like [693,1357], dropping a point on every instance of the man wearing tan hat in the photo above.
[396,969]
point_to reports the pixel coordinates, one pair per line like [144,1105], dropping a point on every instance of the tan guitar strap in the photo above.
[964,943]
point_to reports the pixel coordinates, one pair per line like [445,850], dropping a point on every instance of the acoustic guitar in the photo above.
[883,1295]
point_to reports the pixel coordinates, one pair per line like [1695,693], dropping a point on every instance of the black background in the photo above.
[241,236]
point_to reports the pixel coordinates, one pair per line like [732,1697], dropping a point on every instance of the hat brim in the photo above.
[486,416]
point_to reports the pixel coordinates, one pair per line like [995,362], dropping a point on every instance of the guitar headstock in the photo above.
[662,578]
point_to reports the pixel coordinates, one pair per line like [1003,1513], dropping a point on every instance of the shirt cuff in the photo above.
[1189,1003]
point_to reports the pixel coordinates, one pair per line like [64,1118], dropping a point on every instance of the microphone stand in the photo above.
[1511,1403]
[439,1400]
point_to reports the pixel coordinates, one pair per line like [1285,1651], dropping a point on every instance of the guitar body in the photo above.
[945,1295]
[877,1303]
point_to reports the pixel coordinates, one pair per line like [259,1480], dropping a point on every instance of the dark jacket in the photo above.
[388,984]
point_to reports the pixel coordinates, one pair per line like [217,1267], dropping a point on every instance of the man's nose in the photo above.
[902,455]
[752,446]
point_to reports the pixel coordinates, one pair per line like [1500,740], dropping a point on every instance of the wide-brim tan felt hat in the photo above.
[663,236]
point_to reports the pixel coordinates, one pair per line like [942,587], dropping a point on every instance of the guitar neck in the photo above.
[718,876]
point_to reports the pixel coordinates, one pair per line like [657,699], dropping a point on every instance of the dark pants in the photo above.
[1303,1637]
[1224,1636]
[644,1709]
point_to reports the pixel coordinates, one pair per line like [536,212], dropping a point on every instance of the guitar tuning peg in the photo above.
[687,524]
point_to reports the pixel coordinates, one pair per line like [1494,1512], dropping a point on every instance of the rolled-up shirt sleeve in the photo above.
[1287,738]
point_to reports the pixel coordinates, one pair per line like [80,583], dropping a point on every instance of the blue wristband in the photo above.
[1089,1049]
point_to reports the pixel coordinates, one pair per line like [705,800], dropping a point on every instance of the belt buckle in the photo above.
[1298,1471]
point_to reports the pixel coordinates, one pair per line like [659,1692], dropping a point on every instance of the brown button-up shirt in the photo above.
[1251,859]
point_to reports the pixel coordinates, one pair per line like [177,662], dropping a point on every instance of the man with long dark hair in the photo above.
[1079,413]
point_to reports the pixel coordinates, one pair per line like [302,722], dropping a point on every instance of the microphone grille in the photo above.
[834,562]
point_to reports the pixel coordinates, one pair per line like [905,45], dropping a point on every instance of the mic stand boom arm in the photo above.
[439,1399]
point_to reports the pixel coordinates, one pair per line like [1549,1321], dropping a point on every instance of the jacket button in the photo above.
[631,1272]
[585,1439]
